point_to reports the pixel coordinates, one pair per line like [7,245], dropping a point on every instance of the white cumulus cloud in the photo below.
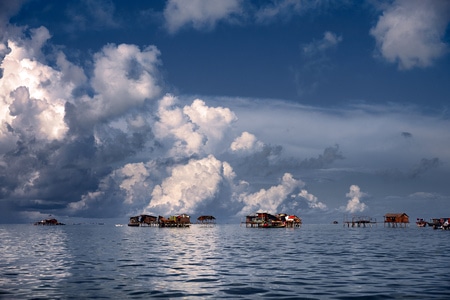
[33,94]
[213,122]
[269,200]
[246,142]
[354,204]
[193,129]
[410,32]
[313,201]
[200,14]
[188,186]
[124,77]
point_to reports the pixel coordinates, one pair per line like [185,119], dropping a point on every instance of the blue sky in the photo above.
[318,108]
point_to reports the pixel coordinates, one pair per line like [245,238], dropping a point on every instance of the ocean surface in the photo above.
[226,261]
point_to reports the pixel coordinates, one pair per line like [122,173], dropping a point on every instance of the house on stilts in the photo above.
[182,220]
[143,220]
[49,222]
[266,220]
[396,220]
[206,220]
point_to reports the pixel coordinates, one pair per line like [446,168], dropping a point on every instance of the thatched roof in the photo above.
[203,218]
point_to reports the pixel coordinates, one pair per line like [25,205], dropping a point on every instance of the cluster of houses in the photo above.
[282,220]
[390,220]
[182,220]
[436,223]
[261,220]
[266,220]
[397,220]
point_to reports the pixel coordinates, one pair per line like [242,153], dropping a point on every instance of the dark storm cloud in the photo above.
[330,154]
[406,134]
[7,10]
[424,165]
[91,15]
[270,160]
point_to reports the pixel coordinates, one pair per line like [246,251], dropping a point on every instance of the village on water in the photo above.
[267,220]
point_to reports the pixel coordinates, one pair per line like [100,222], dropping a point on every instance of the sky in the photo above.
[322,109]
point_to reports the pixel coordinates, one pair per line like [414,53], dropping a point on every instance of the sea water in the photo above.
[225,261]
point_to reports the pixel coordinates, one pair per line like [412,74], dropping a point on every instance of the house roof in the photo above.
[395,214]
[201,218]
[144,215]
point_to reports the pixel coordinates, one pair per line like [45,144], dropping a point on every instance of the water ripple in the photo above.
[228,262]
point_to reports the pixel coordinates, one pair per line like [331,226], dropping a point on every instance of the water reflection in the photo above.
[226,261]
[33,259]
[183,260]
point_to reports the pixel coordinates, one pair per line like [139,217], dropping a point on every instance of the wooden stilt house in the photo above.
[396,219]
[143,220]
[266,220]
[182,220]
[48,222]
[206,220]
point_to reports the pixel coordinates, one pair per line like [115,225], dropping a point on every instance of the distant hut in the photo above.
[142,220]
[293,221]
[134,221]
[162,221]
[49,222]
[439,223]
[147,220]
[206,220]
[266,220]
[396,220]
[182,220]
[252,220]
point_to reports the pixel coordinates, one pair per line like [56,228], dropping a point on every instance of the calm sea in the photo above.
[226,261]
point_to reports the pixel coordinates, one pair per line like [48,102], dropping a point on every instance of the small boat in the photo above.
[119,225]
[439,223]
[421,222]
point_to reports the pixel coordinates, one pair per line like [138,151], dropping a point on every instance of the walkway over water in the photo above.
[359,221]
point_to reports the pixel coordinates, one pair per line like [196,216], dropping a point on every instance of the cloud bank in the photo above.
[104,138]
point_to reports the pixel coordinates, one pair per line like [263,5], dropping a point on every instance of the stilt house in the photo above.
[143,220]
[182,220]
[206,220]
[49,222]
[396,220]
[266,220]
